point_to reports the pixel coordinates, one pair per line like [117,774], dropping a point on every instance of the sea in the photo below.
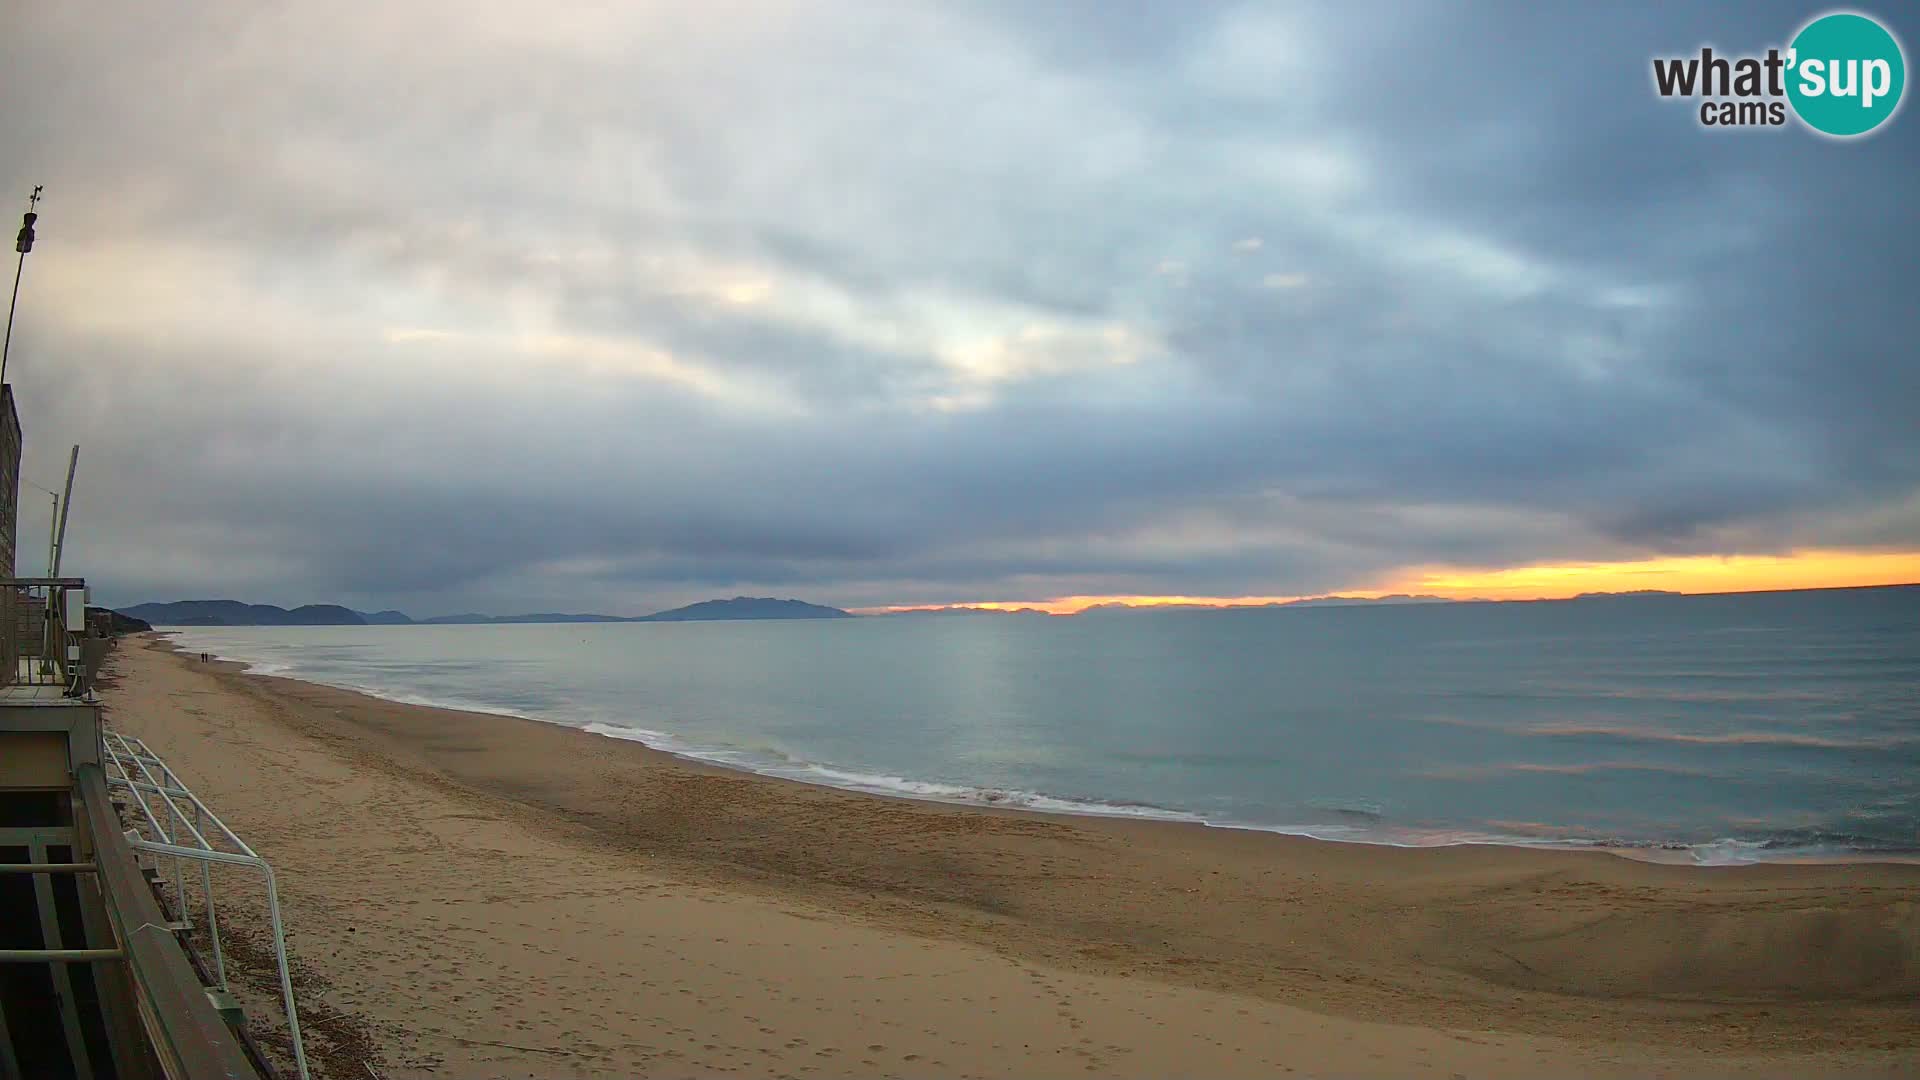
[1712,729]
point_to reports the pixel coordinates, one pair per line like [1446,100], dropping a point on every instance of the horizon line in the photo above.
[1689,575]
[1139,603]
[1358,599]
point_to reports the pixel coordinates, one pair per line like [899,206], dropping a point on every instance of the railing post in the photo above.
[213,916]
[280,957]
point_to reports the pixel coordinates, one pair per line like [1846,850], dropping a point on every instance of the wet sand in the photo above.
[477,895]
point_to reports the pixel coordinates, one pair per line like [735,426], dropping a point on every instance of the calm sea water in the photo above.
[1734,727]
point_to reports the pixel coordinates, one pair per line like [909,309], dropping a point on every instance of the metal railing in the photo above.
[43,631]
[164,1003]
[57,952]
[181,824]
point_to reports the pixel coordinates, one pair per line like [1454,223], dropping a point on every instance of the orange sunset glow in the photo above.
[1812,569]
[1816,569]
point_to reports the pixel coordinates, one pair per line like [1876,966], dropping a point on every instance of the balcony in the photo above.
[94,981]
[50,650]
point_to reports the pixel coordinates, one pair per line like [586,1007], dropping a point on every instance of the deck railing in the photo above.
[44,634]
[179,826]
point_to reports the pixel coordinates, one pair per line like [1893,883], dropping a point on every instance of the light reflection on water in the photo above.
[1725,728]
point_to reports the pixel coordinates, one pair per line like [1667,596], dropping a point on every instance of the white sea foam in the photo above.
[883,784]
[1730,852]
[1355,819]
[1718,853]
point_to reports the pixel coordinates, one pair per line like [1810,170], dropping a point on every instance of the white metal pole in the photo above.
[56,645]
[213,915]
[66,506]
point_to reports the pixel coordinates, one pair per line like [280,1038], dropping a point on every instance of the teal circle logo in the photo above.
[1845,73]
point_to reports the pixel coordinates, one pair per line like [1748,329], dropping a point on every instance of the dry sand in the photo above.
[477,896]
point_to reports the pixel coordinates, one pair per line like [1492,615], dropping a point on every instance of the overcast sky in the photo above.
[506,308]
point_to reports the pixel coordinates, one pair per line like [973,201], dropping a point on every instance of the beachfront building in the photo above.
[94,980]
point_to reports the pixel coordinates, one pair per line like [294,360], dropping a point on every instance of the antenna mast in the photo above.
[23,243]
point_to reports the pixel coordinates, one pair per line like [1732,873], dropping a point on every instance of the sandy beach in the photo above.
[478,896]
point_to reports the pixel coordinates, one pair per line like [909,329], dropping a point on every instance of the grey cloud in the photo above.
[442,309]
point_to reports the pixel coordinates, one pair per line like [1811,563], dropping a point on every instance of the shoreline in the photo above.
[1372,960]
[1671,853]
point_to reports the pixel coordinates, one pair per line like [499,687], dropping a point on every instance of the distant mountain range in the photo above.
[235,613]
[747,607]
[1309,602]
[121,623]
[1104,609]
[966,610]
[388,618]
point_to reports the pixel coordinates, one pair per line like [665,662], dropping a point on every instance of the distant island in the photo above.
[235,613]
[747,607]
[395,618]
[965,609]
[1351,601]
[1306,602]
[1121,606]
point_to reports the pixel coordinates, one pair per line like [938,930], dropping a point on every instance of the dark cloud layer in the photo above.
[463,308]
